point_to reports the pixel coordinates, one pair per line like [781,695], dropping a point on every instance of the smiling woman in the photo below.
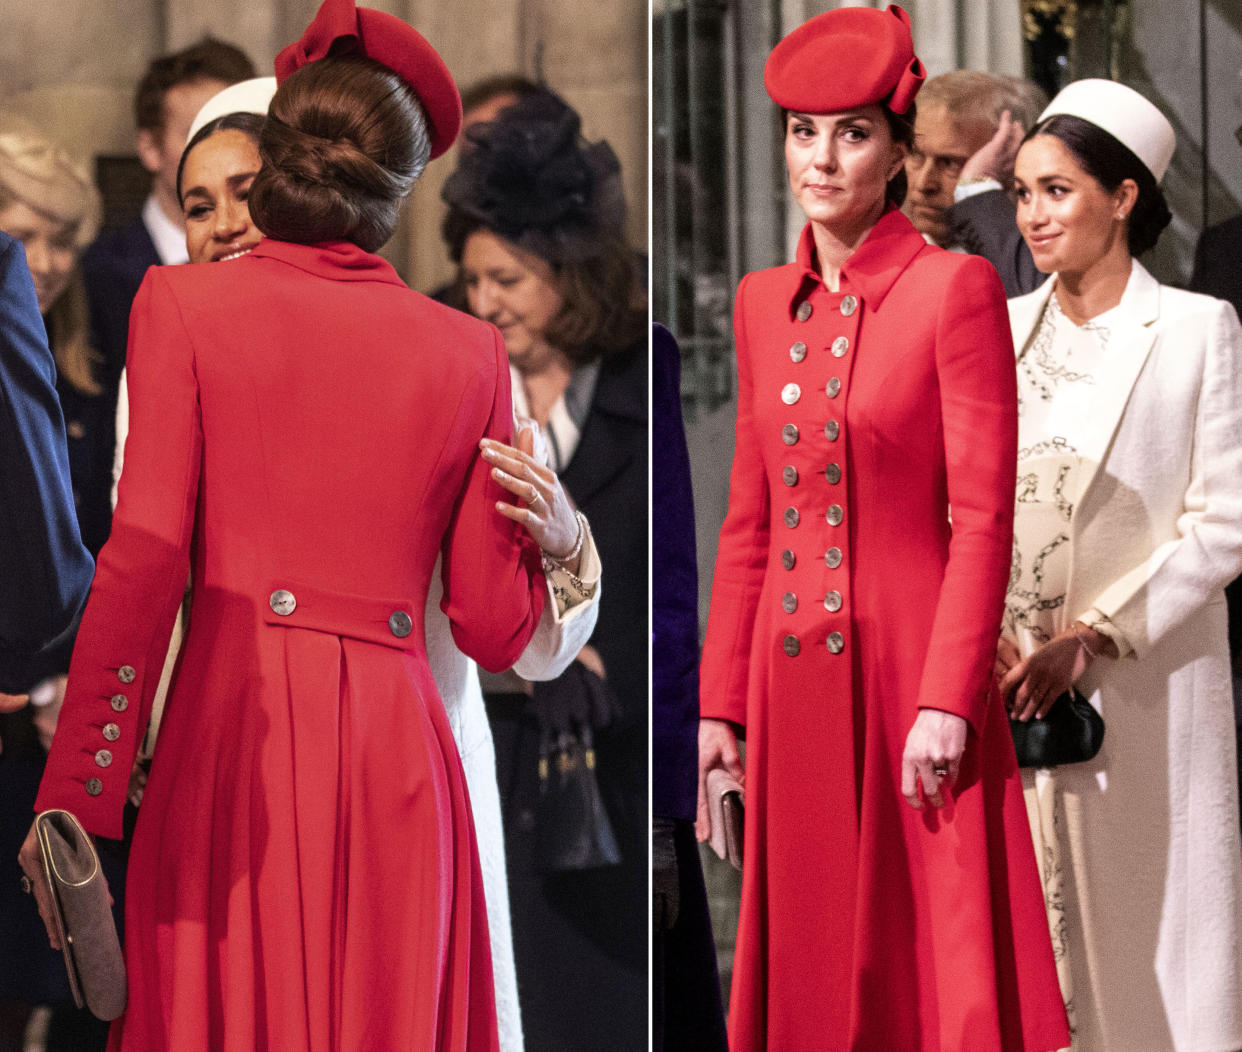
[213,184]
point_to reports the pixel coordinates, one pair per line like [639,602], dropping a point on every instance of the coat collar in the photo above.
[1132,334]
[874,267]
[335,260]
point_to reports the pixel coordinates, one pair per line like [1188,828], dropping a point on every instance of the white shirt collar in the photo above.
[167,236]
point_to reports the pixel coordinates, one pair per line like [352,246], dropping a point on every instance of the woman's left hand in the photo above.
[1033,684]
[932,755]
[547,515]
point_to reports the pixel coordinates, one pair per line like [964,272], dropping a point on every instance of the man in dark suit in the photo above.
[44,569]
[169,95]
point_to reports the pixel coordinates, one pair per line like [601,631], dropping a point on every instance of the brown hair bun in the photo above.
[344,141]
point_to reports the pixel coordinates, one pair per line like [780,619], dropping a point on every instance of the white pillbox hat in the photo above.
[247,96]
[1124,114]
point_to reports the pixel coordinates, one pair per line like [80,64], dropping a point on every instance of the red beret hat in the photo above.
[847,57]
[341,29]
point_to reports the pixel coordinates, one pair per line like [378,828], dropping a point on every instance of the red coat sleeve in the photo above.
[493,578]
[741,558]
[979,414]
[141,574]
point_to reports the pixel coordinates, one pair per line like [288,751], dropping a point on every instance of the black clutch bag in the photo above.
[1071,732]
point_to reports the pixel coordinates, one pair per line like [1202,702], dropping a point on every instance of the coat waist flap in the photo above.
[392,623]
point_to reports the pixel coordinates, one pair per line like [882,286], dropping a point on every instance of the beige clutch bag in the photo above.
[83,917]
[726,807]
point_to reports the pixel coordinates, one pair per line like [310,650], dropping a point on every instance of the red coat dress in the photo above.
[304,875]
[843,602]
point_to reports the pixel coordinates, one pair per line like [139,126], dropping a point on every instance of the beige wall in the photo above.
[71,67]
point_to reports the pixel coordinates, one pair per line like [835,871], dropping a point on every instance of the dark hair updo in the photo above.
[1109,162]
[343,143]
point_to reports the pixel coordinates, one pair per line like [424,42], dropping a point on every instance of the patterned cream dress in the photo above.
[1056,382]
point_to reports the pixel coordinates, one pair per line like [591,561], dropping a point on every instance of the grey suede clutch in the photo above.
[83,917]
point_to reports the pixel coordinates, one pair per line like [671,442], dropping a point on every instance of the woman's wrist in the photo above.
[570,561]
[1093,643]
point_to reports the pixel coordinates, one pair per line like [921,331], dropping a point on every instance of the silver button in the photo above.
[832,430]
[833,558]
[791,517]
[789,474]
[126,674]
[798,351]
[789,602]
[790,393]
[804,310]
[832,601]
[788,559]
[835,514]
[119,703]
[839,346]
[94,786]
[789,434]
[833,473]
[282,602]
[111,732]
[836,642]
[399,624]
[834,388]
[103,758]
[849,305]
[792,646]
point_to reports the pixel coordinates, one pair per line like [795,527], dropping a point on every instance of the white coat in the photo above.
[1154,898]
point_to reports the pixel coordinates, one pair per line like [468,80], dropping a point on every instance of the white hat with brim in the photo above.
[246,96]
[1124,114]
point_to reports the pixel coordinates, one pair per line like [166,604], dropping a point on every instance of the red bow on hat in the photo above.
[340,28]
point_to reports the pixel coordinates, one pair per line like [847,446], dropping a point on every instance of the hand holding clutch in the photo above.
[726,804]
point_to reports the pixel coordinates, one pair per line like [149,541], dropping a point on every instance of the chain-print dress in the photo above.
[1056,382]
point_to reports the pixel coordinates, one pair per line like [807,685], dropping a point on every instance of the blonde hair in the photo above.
[42,176]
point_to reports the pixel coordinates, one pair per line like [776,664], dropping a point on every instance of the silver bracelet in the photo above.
[560,560]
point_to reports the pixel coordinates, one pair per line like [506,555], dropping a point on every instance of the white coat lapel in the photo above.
[1130,342]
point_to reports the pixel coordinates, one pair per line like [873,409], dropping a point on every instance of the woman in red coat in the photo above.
[889,897]
[304,873]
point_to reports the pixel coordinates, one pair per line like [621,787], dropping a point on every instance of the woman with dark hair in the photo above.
[303,872]
[535,223]
[1128,527]
[890,899]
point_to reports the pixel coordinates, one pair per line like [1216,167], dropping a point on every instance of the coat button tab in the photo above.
[282,602]
[399,624]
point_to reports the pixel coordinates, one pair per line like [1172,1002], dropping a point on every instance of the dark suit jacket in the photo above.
[113,268]
[1218,272]
[985,225]
[44,569]
[674,606]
